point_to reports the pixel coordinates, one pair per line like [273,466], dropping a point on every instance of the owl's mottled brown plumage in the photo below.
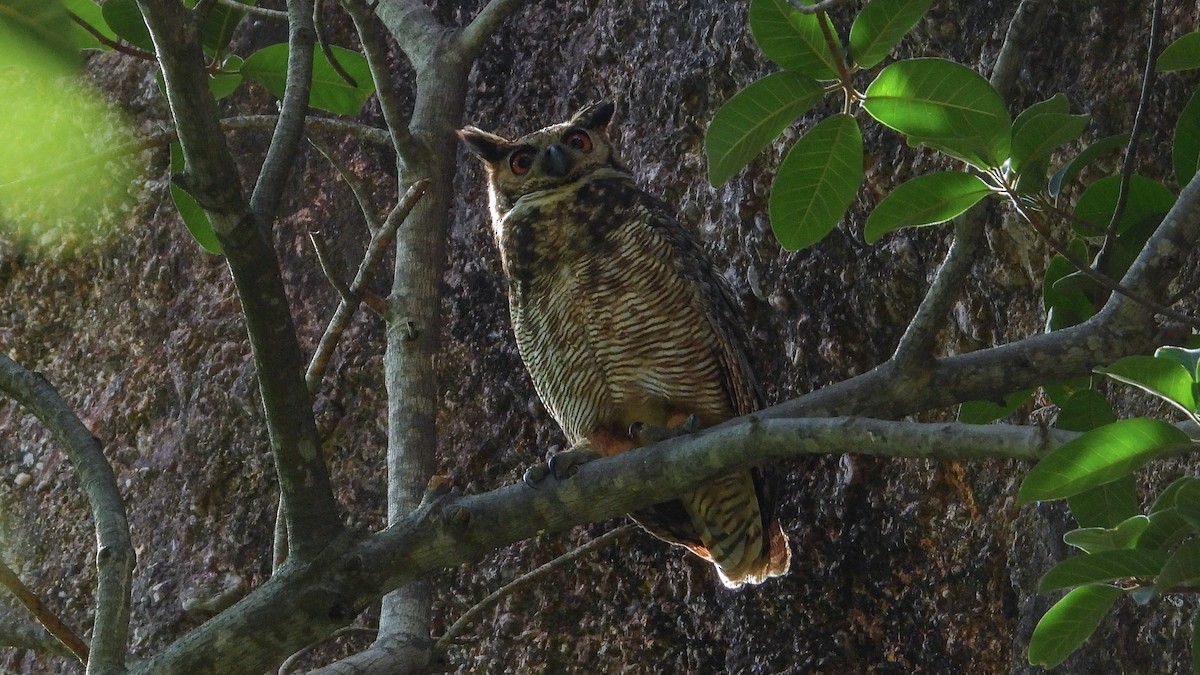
[622,320]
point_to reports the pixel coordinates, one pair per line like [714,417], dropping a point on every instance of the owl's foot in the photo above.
[561,465]
[649,434]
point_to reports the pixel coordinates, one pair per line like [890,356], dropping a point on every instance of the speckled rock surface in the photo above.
[898,566]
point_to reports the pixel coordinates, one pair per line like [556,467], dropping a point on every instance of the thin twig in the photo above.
[357,187]
[319,27]
[291,661]
[47,618]
[265,13]
[345,310]
[103,39]
[1139,117]
[327,267]
[1100,278]
[524,580]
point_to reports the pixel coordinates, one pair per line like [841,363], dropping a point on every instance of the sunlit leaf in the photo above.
[816,182]
[925,200]
[1099,456]
[1162,377]
[791,38]
[880,25]
[1167,528]
[125,19]
[753,118]
[90,13]
[1166,498]
[1096,539]
[1091,568]
[944,105]
[1188,358]
[1069,622]
[1037,139]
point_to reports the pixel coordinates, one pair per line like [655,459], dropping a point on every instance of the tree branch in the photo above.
[114,555]
[380,239]
[475,34]
[412,24]
[30,636]
[56,627]
[303,603]
[285,142]
[212,179]
[916,348]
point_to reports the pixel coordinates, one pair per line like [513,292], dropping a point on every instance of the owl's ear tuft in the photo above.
[487,146]
[594,115]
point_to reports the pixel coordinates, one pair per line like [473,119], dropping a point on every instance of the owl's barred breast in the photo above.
[605,321]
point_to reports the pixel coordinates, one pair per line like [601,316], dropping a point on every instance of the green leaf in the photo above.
[1182,54]
[1105,505]
[982,412]
[944,105]
[1096,539]
[41,28]
[1183,567]
[193,216]
[1055,105]
[1061,392]
[219,24]
[125,19]
[1037,140]
[754,117]
[1083,411]
[1166,499]
[224,85]
[1167,528]
[268,66]
[1187,502]
[1099,456]
[1067,172]
[791,38]
[1065,305]
[1188,358]
[1162,377]
[1091,568]
[1069,622]
[1185,150]
[90,13]
[880,25]
[925,200]
[816,182]
[1147,198]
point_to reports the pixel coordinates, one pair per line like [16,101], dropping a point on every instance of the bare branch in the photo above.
[1139,120]
[374,44]
[263,12]
[345,311]
[213,180]
[290,664]
[916,347]
[285,142]
[520,582]
[414,27]
[114,555]
[47,618]
[30,636]
[357,186]
[484,25]
[327,267]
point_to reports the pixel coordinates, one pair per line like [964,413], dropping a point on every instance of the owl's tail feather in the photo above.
[736,532]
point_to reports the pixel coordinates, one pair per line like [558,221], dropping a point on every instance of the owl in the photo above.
[627,330]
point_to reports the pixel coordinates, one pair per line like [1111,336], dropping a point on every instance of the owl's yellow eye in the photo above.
[578,140]
[521,161]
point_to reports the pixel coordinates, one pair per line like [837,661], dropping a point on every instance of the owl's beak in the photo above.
[558,163]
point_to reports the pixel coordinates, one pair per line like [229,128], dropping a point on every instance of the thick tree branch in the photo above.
[484,25]
[293,109]
[303,603]
[114,555]
[416,30]
[212,178]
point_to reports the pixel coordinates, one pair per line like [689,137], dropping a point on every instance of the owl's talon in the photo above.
[566,464]
[535,474]
[649,434]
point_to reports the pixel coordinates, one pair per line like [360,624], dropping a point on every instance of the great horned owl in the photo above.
[625,325]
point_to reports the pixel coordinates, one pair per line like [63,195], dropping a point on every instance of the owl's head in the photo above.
[555,156]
